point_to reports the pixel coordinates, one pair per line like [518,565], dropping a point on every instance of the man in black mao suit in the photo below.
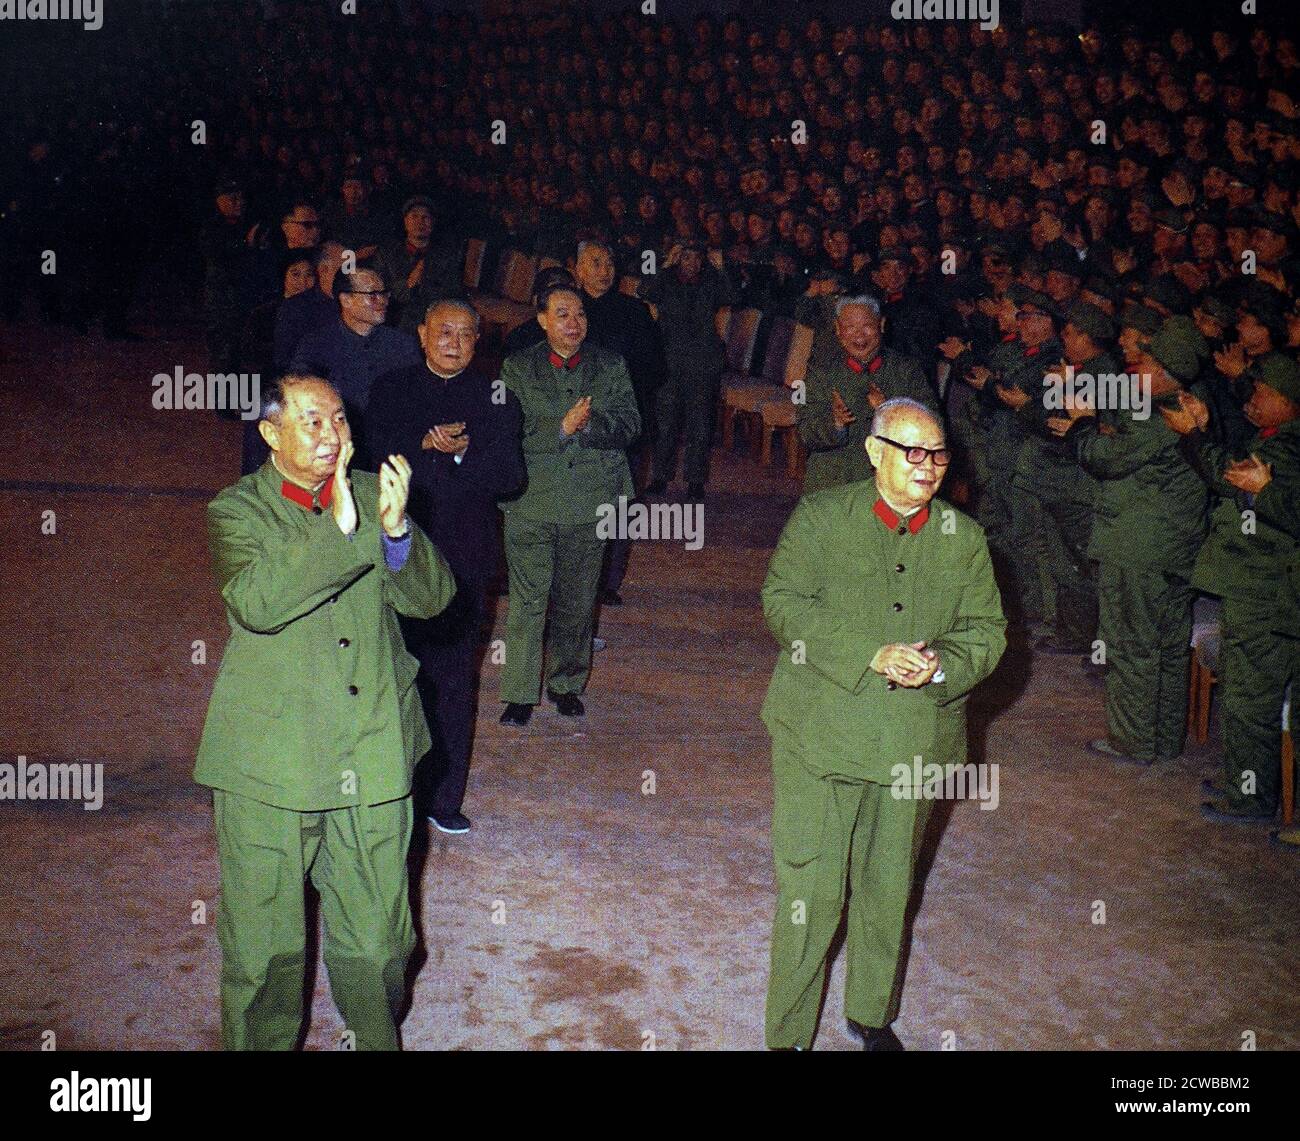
[461,430]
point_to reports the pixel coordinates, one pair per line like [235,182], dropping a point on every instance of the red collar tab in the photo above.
[891,519]
[1033,352]
[1267,433]
[1007,338]
[304,498]
[893,298]
[873,365]
[559,362]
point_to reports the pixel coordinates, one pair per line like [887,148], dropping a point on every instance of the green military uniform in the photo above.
[686,401]
[1243,563]
[848,576]
[1150,520]
[836,455]
[311,736]
[553,549]
[1052,490]
[1015,524]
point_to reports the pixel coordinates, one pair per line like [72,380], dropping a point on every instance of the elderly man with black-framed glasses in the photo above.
[888,616]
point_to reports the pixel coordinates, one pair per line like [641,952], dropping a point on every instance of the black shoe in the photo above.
[1223,811]
[516,713]
[656,487]
[454,825]
[695,492]
[1102,747]
[611,598]
[877,1040]
[567,704]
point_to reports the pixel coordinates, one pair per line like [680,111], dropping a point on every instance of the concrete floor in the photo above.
[626,915]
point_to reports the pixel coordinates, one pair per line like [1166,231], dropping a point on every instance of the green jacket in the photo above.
[1150,508]
[1047,465]
[842,584]
[837,455]
[1234,563]
[569,477]
[313,615]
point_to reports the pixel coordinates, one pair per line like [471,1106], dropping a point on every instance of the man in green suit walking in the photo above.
[314,725]
[580,417]
[888,616]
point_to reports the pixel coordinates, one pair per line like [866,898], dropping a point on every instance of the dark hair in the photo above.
[544,296]
[347,282]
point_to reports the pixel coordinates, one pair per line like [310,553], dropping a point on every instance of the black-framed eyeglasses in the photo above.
[371,292]
[916,455]
[310,223]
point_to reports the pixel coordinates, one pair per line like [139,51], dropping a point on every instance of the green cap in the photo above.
[1090,320]
[1280,373]
[1218,309]
[1022,297]
[1186,327]
[1175,351]
[1140,317]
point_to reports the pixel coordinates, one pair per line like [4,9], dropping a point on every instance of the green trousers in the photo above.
[557,564]
[832,838]
[356,858]
[1146,625]
[1255,665]
[1067,573]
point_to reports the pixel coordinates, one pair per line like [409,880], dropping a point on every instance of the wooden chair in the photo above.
[1207,637]
[738,386]
[779,414]
[475,250]
[745,400]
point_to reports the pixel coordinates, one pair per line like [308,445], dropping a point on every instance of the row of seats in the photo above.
[763,399]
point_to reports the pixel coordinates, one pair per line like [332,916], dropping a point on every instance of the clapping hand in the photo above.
[1251,475]
[576,418]
[394,489]
[342,505]
[451,439]
[840,412]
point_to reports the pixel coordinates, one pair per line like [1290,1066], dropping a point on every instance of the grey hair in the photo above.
[864,299]
[597,243]
[273,397]
[885,413]
[455,303]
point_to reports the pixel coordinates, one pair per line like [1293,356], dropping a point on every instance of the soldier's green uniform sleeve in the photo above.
[1279,503]
[268,580]
[795,611]
[615,421]
[424,586]
[971,650]
[1117,456]
[541,428]
[814,420]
